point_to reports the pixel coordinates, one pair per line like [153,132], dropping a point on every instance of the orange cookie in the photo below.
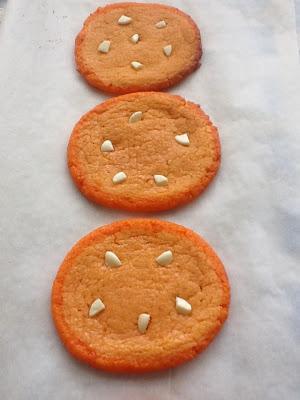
[131,47]
[139,295]
[144,152]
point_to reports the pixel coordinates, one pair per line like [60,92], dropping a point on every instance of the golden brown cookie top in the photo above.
[144,152]
[148,311]
[128,47]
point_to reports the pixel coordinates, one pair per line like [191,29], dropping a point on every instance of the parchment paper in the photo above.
[248,84]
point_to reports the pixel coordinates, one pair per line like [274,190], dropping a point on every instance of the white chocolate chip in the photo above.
[160,180]
[104,46]
[112,260]
[124,20]
[183,139]
[107,146]
[136,65]
[119,177]
[182,306]
[135,38]
[136,116]
[96,307]
[143,322]
[165,258]
[161,24]
[168,50]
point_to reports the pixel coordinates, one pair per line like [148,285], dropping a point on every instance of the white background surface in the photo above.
[248,83]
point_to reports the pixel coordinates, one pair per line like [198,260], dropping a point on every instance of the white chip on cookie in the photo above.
[124,20]
[112,260]
[119,177]
[143,322]
[107,146]
[160,180]
[167,50]
[182,306]
[96,307]
[135,117]
[136,65]
[104,46]
[165,258]
[135,38]
[161,24]
[183,139]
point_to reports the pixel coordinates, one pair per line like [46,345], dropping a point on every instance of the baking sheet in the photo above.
[248,84]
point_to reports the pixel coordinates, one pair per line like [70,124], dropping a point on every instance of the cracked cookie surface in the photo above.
[144,152]
[111,339]
[131,47]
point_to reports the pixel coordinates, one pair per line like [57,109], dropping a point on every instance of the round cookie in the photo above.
[144,152]
[131,47]
[139,295]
